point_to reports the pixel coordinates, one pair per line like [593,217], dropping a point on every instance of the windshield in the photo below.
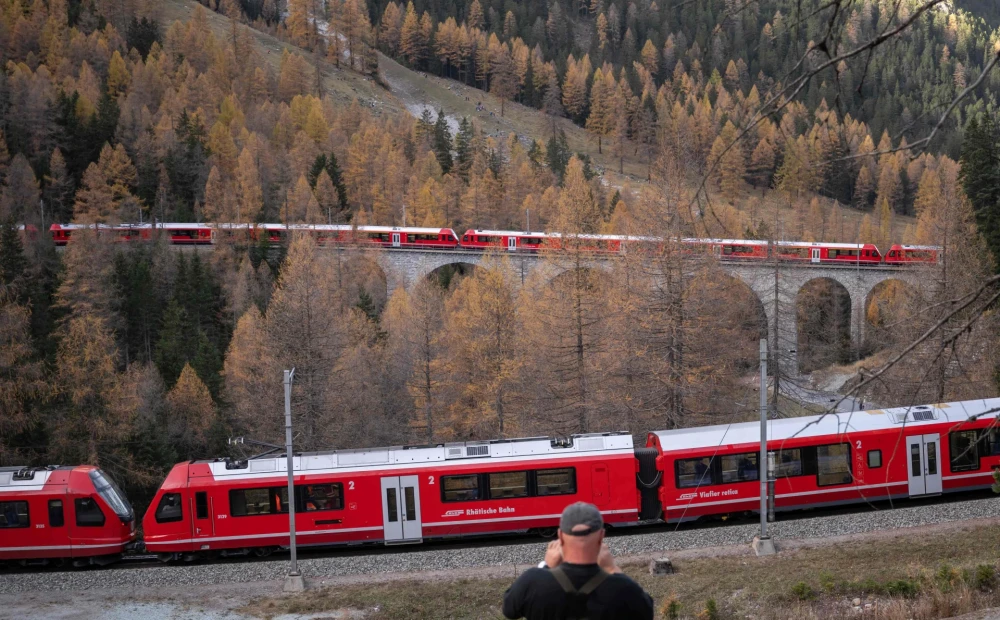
[108,490]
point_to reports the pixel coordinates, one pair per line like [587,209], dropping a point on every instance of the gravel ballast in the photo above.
[413,559]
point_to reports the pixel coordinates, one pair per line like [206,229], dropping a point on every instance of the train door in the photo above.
[924,468]
[401,509]
[202,525]
[815,255]
[395,240]
[599,484]
[512,243]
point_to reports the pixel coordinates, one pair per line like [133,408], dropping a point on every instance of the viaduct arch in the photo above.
[777,289]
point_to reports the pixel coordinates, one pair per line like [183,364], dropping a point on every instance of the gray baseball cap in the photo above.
[580,513]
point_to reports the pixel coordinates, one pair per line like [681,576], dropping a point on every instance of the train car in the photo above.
[187,234]
[392,495]
[381,236]
[515,241]
[731,249]
[836,459]
[830,253]
[910,254]
[63,514]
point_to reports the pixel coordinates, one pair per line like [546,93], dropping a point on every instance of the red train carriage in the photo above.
[62,513]
[392,495]
[850,253]
[382,236]
[837,459]
[907,254]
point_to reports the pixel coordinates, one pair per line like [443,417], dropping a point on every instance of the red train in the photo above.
[836,459]
[411,494]
[63,514]
[513,241]
[392,495]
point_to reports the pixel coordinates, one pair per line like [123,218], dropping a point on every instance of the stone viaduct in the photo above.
[777,289]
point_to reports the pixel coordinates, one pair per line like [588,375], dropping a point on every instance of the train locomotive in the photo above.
[411,494]
[61,515]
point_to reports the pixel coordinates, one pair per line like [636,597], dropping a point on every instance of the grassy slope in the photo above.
[921,575]
[411,90]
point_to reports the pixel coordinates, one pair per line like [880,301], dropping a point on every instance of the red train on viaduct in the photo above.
[391,237]
[411,494]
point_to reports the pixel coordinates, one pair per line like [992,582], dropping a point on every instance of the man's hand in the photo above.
[553,554]
[607,561]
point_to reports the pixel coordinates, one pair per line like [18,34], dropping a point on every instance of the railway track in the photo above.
[144,560]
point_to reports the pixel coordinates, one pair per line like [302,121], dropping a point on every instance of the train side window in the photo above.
[555,481]
[88,513]
[321,496]
[56,516]
[991,442]
[964,451]
[739,467]
[13,514]
[507,484]
[261,501]
[833,464]
[693,472]
[201,505]
[874,459]
[169,509]
[788,463]
[462,488]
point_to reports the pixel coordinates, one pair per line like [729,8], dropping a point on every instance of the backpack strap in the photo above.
[563,579]
[594,582]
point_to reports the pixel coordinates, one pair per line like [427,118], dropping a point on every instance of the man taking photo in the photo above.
[578,579]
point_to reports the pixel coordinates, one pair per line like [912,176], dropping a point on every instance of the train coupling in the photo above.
[137,546]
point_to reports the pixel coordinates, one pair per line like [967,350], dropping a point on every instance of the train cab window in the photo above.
[201,505]
[693,472]
[88,513]
[169,509]
[964,450]
[833,464]
[555,481]
[13,514]
[506,484]
[56,516]
[460,488]
[874,459]
[739,467]
[788,463]
[321,496]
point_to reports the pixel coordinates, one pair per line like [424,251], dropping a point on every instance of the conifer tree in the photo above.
[441,142]
[980,178]
[463,148]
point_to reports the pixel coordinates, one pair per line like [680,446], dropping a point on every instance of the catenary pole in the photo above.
[293,572]
[762,544]
[762,459]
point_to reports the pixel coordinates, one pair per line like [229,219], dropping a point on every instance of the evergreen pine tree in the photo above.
[442,142]
[557,153]
[980,177]
[463,148]
[333,169]
[12,259]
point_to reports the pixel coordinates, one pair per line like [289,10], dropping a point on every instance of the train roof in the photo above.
[469,451]
[406,229]
[918,247]
[827,425]
[22,478]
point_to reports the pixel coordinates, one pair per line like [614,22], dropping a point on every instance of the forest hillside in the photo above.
[135,356]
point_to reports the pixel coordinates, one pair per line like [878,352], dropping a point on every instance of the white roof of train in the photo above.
[830,424]
[400,456]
